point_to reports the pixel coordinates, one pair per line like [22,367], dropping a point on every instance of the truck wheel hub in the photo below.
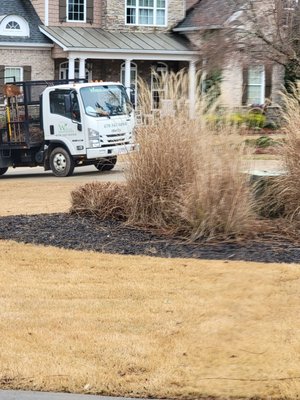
[59,162]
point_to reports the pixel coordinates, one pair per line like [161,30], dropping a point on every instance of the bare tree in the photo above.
[269,30]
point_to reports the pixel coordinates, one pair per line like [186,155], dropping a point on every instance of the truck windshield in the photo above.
[105,100]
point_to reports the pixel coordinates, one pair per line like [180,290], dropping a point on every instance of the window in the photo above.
[288,12]
[256,85]
[76,10]
[146,12]
[57,102]
[290,4]
[157,87]
[13,25]
[13,74]
[106,100]
[133,81]
[75,106]
[64,71]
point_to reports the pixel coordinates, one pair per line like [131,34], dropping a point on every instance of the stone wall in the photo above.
[114,15]
[54,16]
[110,70]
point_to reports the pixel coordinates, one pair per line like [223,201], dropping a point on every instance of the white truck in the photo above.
[61,125]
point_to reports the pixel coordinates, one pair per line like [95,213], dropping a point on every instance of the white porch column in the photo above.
[127,76]
[192,87]
[82,68]
[71,67]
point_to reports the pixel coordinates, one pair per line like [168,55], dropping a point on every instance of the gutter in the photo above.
[198,28]
[26,45]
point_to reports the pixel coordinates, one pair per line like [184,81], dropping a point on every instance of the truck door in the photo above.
[64,122]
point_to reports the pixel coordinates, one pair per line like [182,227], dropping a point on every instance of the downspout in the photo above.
[46,21]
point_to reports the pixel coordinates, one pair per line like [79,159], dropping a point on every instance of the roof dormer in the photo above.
[14,25]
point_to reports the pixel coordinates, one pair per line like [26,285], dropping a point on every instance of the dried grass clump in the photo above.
[186,178]
[103,200]
[158,170]
[283,194]
[219,201]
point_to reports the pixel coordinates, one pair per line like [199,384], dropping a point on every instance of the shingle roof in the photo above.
[100,40]
[190,3]
[207,14]
[23,8]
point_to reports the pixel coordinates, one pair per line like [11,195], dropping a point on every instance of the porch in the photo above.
[121,56]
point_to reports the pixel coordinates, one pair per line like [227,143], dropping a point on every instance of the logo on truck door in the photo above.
[66,129]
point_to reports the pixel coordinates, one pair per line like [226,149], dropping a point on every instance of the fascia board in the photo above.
[133,56]
[26,45]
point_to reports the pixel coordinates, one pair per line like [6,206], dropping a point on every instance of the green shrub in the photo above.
[255,120]
[270,125]
[235,119]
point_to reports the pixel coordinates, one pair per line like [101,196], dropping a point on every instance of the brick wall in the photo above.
[39,6]
[42,65]
[232,76]
[232,85]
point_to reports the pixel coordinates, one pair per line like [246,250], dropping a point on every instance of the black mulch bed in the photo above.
[86,233]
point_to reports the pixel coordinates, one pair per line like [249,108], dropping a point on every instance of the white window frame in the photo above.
[154,8]
[64,71]
[290,4]
[262,84]
[133,82]
[13,67]
[288,8]
[23,24]
[163,68]
[84,12]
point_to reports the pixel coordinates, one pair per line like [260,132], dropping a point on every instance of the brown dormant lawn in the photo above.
[140,326]
[32,197]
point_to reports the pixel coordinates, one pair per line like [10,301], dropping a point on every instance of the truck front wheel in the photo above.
[3,170]
[61,163]
[106,164]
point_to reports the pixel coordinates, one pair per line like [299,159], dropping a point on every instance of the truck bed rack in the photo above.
[21,124]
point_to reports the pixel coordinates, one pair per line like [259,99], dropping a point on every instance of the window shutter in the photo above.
[2,70]
[245,86]
[27,73]
[62,10]
[268,81]
[90,11]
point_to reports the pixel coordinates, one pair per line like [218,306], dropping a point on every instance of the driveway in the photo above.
[88,173]
[22,395]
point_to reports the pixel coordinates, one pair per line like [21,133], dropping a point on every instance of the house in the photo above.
[121,40]
[98,40]
[245,79]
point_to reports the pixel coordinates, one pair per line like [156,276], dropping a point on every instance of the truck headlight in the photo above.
[94,138]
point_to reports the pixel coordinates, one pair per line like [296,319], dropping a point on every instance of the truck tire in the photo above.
[3,170]
[61,163]
[106,164]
